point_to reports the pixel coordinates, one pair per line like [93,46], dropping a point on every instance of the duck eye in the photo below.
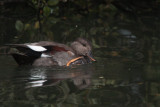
[84,45]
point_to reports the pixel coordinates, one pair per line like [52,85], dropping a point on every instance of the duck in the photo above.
[48,53]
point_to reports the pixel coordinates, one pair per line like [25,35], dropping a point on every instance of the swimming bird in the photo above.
[47,53]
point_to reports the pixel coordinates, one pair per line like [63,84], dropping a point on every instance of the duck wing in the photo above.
[41,46]
[25,54]
[54,46]
[29,52]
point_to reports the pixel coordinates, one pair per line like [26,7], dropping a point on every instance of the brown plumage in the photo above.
[45,53]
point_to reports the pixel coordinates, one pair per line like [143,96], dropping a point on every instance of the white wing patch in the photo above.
[37,48]
[44,55]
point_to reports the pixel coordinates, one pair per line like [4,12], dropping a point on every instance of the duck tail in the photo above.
[23,59]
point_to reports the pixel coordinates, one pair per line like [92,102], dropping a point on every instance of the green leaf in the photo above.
[53,2]
[94,43]
[46,11]
[26,26]
[19,25]
[36,25]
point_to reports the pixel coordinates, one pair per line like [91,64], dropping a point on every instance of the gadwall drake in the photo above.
[45,53]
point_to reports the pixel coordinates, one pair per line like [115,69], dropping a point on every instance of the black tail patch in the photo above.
[22,59]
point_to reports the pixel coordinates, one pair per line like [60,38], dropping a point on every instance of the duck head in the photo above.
[82,47]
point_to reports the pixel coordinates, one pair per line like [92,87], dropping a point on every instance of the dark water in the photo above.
[108,82]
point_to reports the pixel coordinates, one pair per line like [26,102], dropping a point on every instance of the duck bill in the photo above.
[90,57]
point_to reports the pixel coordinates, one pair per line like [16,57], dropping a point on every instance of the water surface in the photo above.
[110,82]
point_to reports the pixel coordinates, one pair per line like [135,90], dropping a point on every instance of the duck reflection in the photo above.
[42,77]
